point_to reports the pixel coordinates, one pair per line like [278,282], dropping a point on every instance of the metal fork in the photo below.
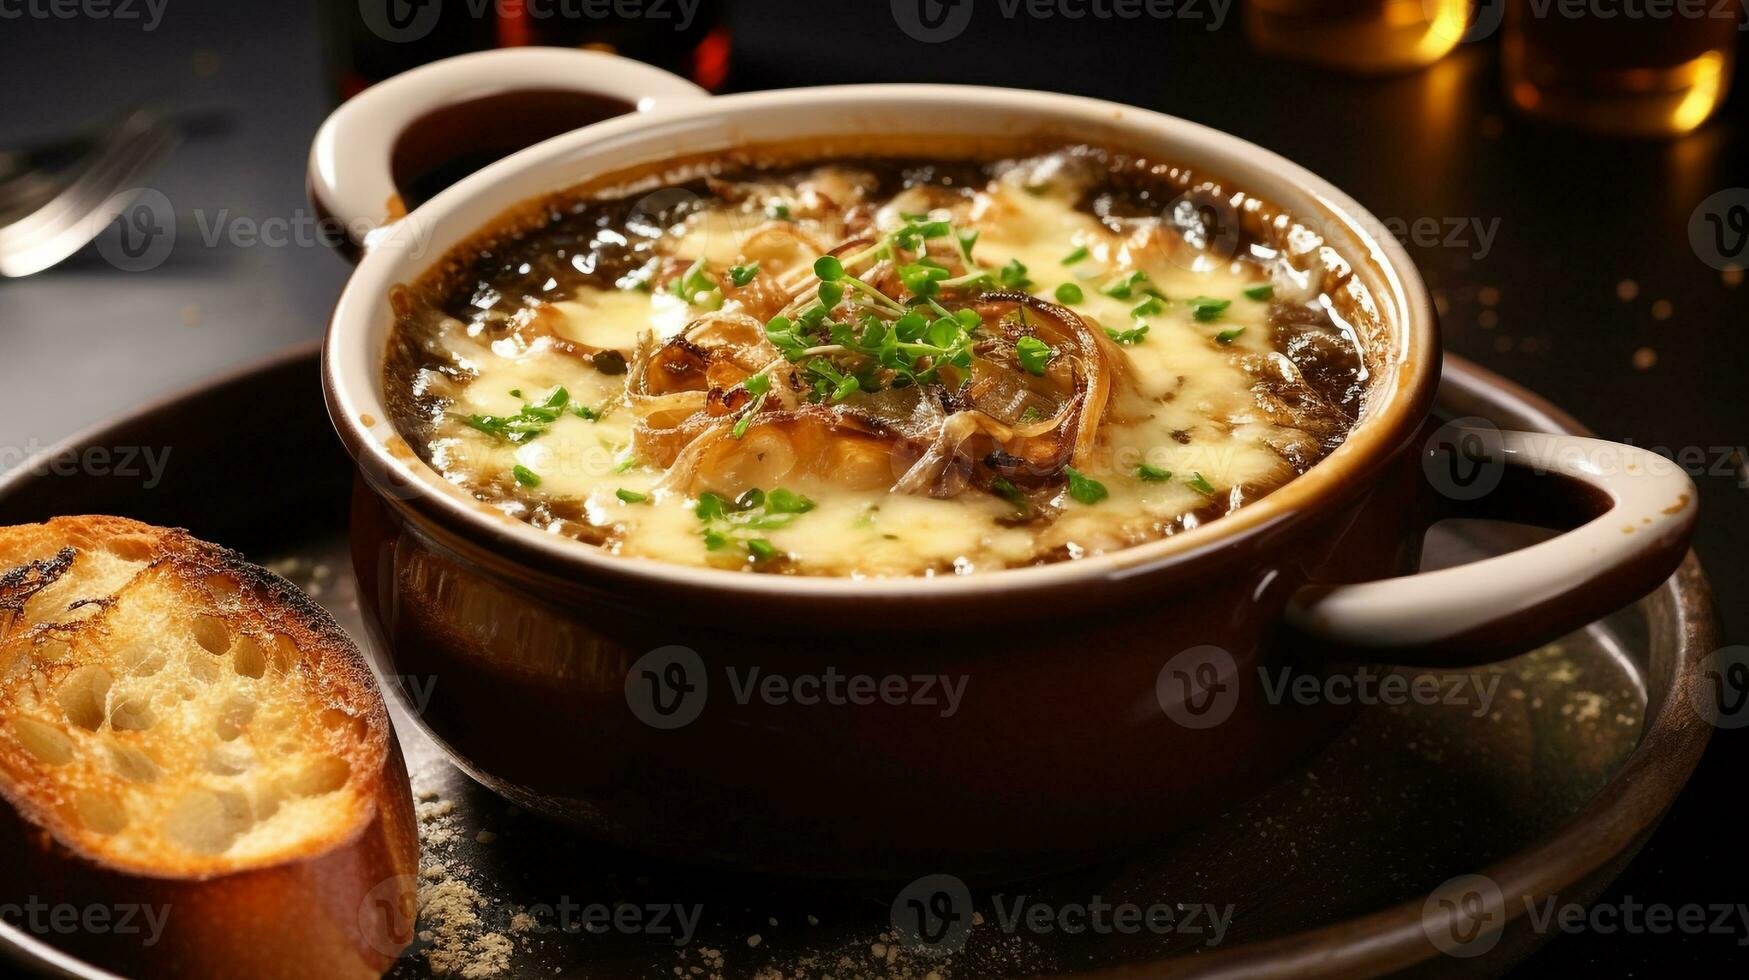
[47,216]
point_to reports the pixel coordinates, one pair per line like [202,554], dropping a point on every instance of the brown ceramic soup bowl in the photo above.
[985,725]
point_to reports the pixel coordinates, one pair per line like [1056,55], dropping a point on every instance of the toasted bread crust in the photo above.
[288,848]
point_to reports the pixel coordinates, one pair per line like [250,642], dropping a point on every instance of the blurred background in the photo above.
[1571,176]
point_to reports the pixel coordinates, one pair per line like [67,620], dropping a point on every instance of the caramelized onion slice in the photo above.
[813,444]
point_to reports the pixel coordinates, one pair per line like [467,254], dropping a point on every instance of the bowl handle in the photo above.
[1634,512]
[351,169]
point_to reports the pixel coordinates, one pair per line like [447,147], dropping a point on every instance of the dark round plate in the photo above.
[1544,787]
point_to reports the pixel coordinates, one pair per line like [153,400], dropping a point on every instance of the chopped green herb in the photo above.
[777,211]
[740,427]
[1033,354]
[516,392]
[728,521]
[533,420]
[1205,309]
[741,275]
[1013,275]
[697,288]
[1229,335]
[1262,292]
[1130,337]
[1153,474]
[781,501]
[1077,255]
[1148,307]
[625,464]
[631,496]
[586,413]
[1069,293]
[1085,489]
[1032,414]
[1125,287]
[1200,485]
[525,476]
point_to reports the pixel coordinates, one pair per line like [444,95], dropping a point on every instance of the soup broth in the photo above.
[883,365]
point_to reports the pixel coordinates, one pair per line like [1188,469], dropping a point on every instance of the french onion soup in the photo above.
[883,365]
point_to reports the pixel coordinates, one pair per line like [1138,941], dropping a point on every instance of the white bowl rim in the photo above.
[352,367]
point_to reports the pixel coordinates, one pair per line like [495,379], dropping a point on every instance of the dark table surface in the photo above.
[1526,233]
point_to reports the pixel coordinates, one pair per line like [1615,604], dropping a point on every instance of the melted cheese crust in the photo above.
[1190,409]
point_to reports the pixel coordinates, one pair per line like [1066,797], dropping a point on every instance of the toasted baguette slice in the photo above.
[187,738]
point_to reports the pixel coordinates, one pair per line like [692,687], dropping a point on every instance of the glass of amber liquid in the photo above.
[1660,73]
[1360,36]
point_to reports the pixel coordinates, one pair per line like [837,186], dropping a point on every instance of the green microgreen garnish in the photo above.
[525,476]
[777,211]
[729,522]
[1013,275]
[757,385]
[1085,489]
[697,288]
[1229,335]
[1148,307]
[1130,337]
[1200,485]
[631,496]
[741,275]
[1205,309]
[1033,354]
[1077,255]
[1069,293]
[1152,474]
[1125,287]
[1262,292]
[533,420]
